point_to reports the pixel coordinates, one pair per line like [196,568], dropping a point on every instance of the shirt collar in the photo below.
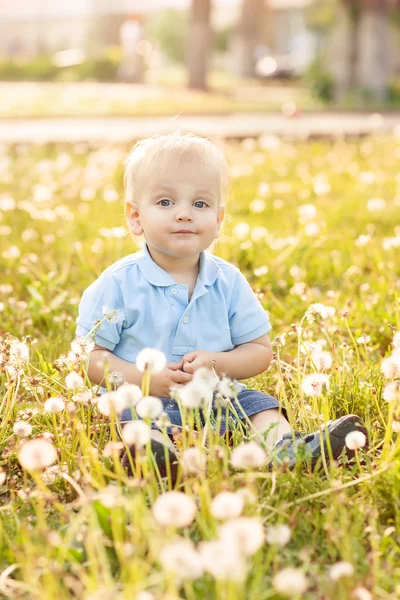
[157,276]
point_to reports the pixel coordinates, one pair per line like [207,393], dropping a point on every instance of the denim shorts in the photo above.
[251,401]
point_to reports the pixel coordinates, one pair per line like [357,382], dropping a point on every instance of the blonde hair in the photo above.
[148,153]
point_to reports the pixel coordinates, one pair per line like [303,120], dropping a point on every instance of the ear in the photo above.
[220,218]
[133,218]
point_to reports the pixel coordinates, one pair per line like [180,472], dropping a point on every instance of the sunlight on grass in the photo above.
[315,229]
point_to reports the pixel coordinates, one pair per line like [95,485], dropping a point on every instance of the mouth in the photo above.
[184,231]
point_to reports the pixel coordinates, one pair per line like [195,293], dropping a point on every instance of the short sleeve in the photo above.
[247,318]
[102,301]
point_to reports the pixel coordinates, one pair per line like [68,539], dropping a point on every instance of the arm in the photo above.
[100,355]
[244,361]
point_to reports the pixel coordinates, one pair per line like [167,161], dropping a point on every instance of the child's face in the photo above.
[180,195]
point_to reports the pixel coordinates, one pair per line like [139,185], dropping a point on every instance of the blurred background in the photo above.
[138,57]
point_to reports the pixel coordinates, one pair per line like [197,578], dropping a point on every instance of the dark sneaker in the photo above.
[294,447]
[158,450]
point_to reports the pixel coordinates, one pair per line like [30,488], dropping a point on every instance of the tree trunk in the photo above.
[199,44]
[373,68]
[247,37]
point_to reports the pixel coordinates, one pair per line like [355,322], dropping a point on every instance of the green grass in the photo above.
[161,96]
[66,538]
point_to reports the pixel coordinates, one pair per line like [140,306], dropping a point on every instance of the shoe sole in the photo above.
[337,432]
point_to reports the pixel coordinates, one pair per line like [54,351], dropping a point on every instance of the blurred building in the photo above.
[32,27]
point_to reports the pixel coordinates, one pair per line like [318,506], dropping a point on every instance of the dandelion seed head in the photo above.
[355,440]
[136,433]
[290,582]
[322,360]
[181,558]
[74,381]
[128,395]
[112,315]
[54,405]
[22,429]
[193,460]
[247,532]
[391,391]
[248,455]
[149,407]
[153,358]
[278,535]
[174,509]
[314,384]
[227,505]
[341,569]
[37,454]
[222,560]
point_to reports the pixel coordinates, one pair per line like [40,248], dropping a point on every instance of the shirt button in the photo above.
[174,291]
[185,319]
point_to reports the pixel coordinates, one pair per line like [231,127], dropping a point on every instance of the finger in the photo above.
[182,377]
[174,366]
[187,367]
[189,357]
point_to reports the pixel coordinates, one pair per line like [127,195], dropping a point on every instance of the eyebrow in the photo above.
[170,190]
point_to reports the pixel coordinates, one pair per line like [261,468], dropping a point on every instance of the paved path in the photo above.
[113,129]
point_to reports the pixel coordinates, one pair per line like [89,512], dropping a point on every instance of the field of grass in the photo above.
[308,224]
[92,99]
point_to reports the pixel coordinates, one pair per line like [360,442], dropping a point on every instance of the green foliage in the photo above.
[103,68]
[319,81]
[169,29]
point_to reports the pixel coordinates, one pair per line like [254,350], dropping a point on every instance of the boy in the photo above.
[195,307]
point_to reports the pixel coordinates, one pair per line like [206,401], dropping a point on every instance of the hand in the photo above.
[171,376]
[199,358]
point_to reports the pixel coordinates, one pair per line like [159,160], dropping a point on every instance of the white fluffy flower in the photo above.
[227,505]
[375,204]
[174,509]
[73,381]
[248,455]
[19,352]
[341,569]
[222,560]
[106,403]
[22,429]
[361,593]
[313,385]
[128,395]
[37,454]
[54,405]
[391,366]
[227,387]
[391,392]
[355,440]
[154,359]
[396,340]
[112,315]
[306,212]
[195,394]
[278,535]
[322,360]
[182,559]
[136,433]
[149,407]
[290,581]
[205,376]
[319,309]
[246,532]
[193,460]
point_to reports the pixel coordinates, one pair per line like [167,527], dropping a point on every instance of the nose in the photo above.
[184,215]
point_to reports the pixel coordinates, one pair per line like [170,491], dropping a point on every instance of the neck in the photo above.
[175,265]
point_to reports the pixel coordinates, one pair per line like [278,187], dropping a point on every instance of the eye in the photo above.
[164,200]
[200,202]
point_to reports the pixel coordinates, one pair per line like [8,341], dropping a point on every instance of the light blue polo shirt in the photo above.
[153,310]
